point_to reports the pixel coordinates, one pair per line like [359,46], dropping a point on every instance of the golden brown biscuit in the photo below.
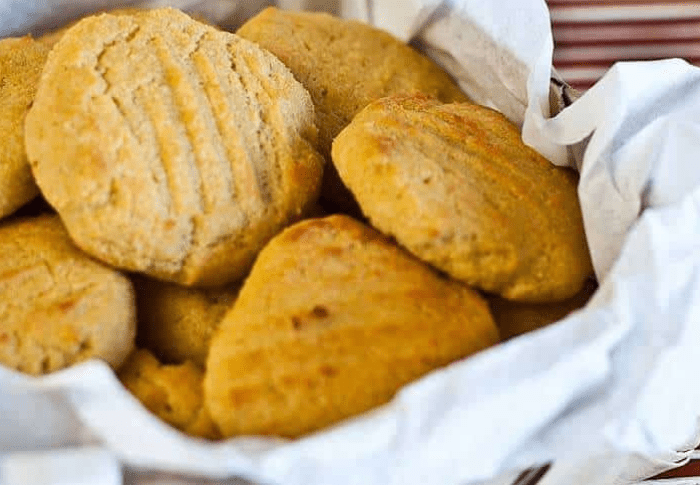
[515,318]
[332,321]
[21,62]
[58,306]
[345,64]
[171,392]
[456,186]
[176,323]
[169,147]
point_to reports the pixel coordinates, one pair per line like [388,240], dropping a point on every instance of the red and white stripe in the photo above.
[589,36]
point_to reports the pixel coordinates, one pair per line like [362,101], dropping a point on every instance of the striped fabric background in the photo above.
[589,36]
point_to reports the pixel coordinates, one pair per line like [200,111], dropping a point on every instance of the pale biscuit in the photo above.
[171,392]
[175,322]
[345,64]
[21,62]
[332,321]
[57,305]
[456,186]
[169,147]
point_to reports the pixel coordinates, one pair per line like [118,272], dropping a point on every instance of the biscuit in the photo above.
[515,318]
[456,186]
[171,392]
[176,322]
[21,62]
[345,64]
[169,147]
[57,305]
[332,320]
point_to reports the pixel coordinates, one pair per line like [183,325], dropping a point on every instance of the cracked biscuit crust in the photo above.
[332,321]
[456,186]
[21,62]
[169,147]
[57,305]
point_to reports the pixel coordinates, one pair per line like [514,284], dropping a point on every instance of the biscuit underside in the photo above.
[209,126]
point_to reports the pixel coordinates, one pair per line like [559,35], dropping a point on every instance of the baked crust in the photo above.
[331,322]
[57,305]
[169,147]
[456,186]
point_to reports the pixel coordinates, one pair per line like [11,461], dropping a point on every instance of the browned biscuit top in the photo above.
[21,62]
[455,184]
[333,320]
[170,147]
[57,305]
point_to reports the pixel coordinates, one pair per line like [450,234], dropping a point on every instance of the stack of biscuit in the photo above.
[184,167]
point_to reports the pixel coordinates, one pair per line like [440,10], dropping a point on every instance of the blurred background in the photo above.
[589,36]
